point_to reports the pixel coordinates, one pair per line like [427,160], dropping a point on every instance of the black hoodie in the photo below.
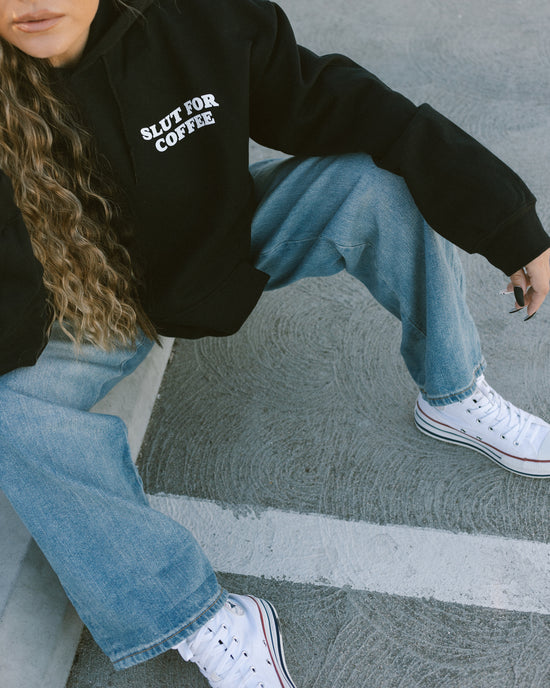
[173,91]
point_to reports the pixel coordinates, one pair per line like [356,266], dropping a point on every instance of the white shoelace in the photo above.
[221,660]
[502,416]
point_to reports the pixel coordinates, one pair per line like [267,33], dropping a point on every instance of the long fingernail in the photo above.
[529,316]
[516,310]
[518,293]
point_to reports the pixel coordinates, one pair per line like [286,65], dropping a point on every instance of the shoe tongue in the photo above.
[484,388]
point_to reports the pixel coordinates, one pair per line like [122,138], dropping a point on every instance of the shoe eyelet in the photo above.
[503,437]
[468,410]
[478,420]
[491,429]
[516,444]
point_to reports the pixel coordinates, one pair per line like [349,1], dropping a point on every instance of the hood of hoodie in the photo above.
[111,22]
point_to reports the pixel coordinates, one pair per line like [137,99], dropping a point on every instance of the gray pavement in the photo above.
[307,412]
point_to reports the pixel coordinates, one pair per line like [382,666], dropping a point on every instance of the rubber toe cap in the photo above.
[543,453]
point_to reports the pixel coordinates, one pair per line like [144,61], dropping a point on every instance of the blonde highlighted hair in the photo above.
[64,200]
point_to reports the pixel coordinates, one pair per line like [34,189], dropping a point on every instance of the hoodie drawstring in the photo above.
[121,115]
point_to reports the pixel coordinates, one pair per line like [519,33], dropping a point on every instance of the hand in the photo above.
[534,280]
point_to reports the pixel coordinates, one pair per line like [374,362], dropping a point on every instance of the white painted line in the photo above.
[481,570]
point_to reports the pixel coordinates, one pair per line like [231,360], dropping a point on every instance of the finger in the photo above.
[519,284]
[538,271]
[518,293]
[534,300]
[535,295]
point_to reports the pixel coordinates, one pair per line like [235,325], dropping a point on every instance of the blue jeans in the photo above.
[139,581]
[318,216]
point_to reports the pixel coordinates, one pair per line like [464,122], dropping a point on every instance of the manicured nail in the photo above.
[516,310]
[518,293]
[529,316]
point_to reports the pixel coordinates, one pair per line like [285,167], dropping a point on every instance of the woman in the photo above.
[128,210]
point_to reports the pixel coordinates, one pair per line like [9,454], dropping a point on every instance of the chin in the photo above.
[42,50]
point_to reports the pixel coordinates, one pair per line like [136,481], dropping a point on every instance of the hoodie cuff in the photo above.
[517,242]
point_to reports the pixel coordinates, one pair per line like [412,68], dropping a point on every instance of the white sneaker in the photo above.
[240,647]
[513,438]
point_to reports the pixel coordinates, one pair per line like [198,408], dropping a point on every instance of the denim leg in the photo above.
[139,580]
[317,216]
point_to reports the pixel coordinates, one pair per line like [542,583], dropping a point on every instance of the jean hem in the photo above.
[464,393]
[174,637]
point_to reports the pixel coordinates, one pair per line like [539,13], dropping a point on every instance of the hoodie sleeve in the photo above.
[304,104]
[24,314]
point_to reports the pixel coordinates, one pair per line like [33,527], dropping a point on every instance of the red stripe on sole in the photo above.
[266,639]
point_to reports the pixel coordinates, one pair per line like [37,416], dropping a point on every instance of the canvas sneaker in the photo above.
[240,646]
[515,439]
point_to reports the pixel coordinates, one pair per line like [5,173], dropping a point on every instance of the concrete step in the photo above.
[39,629]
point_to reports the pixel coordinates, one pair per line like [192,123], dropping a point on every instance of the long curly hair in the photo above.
[64,197]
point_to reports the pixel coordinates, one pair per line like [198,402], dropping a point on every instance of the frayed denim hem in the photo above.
[173,638]
[460,395]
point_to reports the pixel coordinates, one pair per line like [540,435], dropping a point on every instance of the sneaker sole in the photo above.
[433,428]
[272,635]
